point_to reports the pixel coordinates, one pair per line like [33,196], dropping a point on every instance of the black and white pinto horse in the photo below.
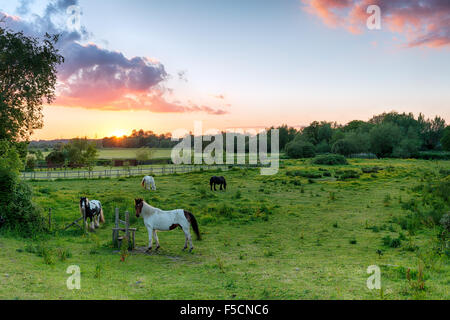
[148,182]
[159,220]
[218,180]
[94,212]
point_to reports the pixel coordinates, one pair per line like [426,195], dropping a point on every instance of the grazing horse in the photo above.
[148,182]
[218,180]
[159,220]
[94,211]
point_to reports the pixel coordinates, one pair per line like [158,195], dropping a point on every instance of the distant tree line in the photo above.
[78,152]
[139,139]
[392,134]
[385,135]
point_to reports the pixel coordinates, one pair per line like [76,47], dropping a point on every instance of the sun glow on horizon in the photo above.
[118,133]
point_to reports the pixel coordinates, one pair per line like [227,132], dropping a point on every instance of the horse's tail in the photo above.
[143,182]
[102,216]
[224,183]
[194,224]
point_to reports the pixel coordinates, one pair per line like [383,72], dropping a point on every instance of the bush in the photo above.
[330,159]
[390,242]
[300,149]
[445,221]
[370,169]
[347,174]
[19,212]
[304,174]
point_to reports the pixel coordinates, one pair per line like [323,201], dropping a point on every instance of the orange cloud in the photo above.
[422,23]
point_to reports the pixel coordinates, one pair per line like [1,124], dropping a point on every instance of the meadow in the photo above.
[123,153]
[309,232]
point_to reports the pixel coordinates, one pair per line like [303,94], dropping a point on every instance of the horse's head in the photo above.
[83,202]
[138,204]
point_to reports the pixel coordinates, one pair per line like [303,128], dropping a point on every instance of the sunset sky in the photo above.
[162,64]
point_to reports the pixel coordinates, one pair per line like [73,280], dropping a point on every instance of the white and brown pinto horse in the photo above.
[148,182]
[93,210]
[159,220]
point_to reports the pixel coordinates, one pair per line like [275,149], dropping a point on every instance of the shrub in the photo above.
[304,174]
[390,242]
[21,215]
[370,169]
[445,221]
[347,174]
[300,149]
[330,159]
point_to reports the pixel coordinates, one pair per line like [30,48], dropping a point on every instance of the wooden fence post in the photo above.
[116,226]
[127,231]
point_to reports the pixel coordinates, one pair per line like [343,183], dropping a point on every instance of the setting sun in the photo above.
[119,133]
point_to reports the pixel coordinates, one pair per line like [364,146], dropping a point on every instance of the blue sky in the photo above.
[273,62]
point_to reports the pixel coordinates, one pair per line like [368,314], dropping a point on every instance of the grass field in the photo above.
[126,153]
[267,237]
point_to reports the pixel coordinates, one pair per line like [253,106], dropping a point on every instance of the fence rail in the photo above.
[117,173]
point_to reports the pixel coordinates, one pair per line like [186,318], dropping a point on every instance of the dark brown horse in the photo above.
[218,180]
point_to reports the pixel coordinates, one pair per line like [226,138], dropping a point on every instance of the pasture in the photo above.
[300,234]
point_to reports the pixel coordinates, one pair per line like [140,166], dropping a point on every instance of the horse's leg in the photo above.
[156,239]
[187,234]
[215,187]
[221,186]
[150,240]
[97,221]
[186,238]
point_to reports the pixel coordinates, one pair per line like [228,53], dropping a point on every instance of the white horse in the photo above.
[159,220]
[148,182]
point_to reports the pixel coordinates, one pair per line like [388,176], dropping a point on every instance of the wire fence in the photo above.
[127,172]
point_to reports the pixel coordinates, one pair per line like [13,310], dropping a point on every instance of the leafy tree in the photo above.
[343,147]
[445,141]
[431,131]
[300,149]
[57,158]
[383,139]
[144,154]
[325,132]
[323,147]
[27,78]
[31,163]
[408,146]
[286,134]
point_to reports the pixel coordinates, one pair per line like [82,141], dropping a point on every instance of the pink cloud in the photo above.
[96,78]
[422,23]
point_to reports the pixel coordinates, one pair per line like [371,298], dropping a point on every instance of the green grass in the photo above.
[266,237]
[126,153]
[130,153]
